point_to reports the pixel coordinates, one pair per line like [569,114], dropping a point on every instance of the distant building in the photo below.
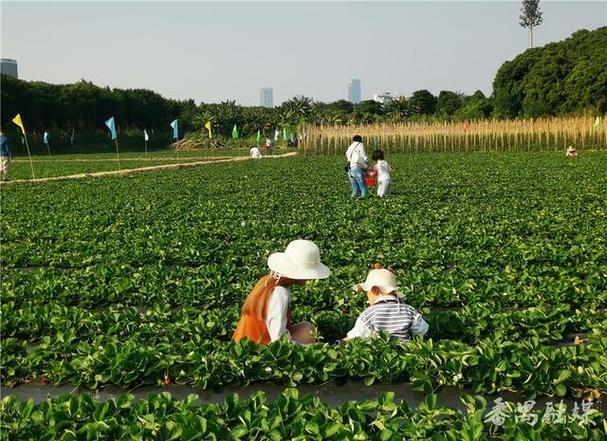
[266,97]
[9,67]
[384,98]
[354,91]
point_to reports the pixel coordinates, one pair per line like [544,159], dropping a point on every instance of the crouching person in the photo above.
[386,312]
[266,313]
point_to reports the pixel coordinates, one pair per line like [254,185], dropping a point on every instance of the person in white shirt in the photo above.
[383,170]
[266,313]
[255,153]
[385,312]
[357,164]
[571,152]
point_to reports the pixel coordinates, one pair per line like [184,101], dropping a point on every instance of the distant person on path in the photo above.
[383,169]
[571,152]
[385,312]
[357,164]
[255,153]
[266,313]
[5,155]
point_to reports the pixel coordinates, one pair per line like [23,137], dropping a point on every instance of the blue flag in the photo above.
[175,126]
[110,125]
[46,138]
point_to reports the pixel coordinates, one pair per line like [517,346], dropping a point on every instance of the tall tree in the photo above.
[531,17]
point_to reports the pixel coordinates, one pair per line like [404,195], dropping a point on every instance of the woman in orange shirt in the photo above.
[266,313]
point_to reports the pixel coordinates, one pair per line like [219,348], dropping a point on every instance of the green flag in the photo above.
[235,132]
[208,126]
[284,134]
[597,122]
[258,136]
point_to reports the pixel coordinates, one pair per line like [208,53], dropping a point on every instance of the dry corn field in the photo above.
[554,134]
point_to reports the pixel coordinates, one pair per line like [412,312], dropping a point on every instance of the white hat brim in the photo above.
[383,289]
[280,263]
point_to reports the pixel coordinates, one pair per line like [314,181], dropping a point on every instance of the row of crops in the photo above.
[139,280]
[290,416]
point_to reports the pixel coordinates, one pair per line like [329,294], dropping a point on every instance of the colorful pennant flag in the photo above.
[110,125]
[597,122]
[276,134]
[208,127]
[284,134]
[258,136]
[175,127]
[235,132]
[18,122]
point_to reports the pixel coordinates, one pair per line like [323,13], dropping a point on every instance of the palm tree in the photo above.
[298,107]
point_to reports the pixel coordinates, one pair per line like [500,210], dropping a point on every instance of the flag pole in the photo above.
[27,146]
[117,153]
[48,144]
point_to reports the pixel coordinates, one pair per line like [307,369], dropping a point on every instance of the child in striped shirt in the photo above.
[385,312]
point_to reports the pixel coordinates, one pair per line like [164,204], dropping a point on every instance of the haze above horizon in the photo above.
[212,51]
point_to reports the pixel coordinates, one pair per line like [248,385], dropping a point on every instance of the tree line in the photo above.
[568,77]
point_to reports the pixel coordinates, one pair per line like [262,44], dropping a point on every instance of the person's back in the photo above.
[5,150]
[356,155]
[357,163]
[5,155]
[388,315]
[383,174]
[383,170]
[385,312]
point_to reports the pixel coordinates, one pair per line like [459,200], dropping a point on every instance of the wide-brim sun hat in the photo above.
[300,261]
[383,279]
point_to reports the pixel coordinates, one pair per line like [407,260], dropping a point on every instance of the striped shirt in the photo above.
[386,314]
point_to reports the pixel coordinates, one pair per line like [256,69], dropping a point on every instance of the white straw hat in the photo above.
[383,279]
[300,261]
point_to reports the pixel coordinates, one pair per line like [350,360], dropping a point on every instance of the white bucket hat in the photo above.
[300,261]
[383,279]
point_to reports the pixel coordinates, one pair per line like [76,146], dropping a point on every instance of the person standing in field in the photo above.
[385,312]
[5,155]
[269,145]
[255,153]
[266,313]
[357,164]
[383,169]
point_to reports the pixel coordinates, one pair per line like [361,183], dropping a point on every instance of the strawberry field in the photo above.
[139,280]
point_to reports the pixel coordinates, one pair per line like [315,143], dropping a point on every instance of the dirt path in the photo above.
[128,158]
[141,169]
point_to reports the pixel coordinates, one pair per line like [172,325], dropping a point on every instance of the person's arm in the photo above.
[362,153]
[360,329]
[276,315]
[418,325]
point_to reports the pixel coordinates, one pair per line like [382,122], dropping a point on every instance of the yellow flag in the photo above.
[17,121]
[597,122]
[208,126]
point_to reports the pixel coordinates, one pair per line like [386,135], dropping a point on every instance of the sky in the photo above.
[215,51]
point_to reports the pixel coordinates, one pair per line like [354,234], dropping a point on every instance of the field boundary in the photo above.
[127,158]
[141,169]
[329,392]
